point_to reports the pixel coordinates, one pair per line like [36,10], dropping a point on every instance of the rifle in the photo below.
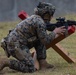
[60,22]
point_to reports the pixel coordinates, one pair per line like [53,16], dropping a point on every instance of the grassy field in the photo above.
[61,66]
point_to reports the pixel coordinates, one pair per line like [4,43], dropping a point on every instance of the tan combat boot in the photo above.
[4,62]
[44,65]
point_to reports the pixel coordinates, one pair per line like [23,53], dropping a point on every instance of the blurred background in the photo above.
[9,9]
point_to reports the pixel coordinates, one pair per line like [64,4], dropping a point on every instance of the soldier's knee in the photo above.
[32,70]
[28,69]
[21,66]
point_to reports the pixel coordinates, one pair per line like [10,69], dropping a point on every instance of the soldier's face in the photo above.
[47,18]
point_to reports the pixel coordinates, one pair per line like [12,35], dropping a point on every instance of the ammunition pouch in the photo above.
[4,46]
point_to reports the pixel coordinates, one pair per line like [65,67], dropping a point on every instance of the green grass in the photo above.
[61,66]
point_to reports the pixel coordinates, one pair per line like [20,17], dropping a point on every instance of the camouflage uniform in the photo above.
[31,32]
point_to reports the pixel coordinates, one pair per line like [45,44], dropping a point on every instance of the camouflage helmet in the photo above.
[43,8]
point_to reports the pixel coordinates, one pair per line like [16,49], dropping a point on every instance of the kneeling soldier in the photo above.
[29,33]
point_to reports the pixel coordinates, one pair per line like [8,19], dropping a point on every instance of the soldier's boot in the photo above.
[4,62]
[44,65]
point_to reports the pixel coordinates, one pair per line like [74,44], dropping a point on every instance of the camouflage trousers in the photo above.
[40,50]
[24,61]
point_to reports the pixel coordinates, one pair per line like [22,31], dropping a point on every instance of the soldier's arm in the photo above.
[42,34]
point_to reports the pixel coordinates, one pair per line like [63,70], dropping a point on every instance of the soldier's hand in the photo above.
[59,30]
